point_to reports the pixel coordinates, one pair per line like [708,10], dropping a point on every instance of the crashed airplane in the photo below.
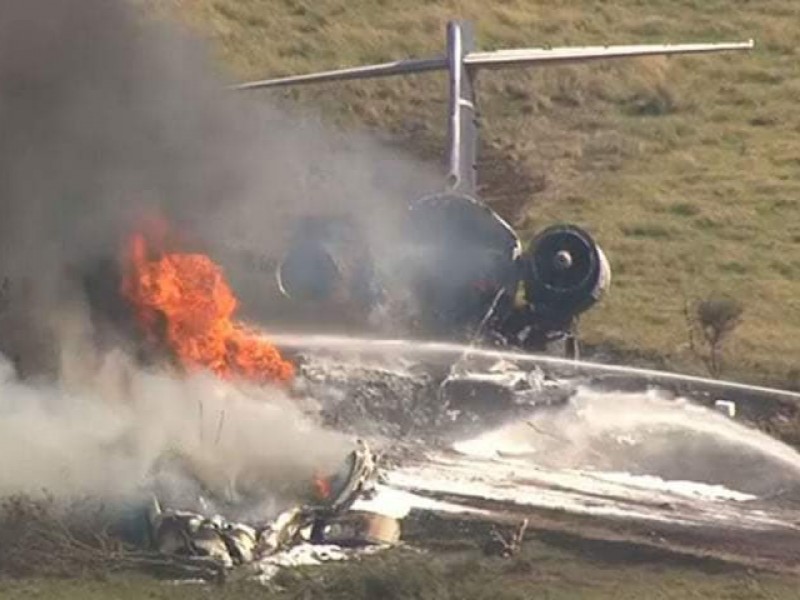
[465,266]
[473,279]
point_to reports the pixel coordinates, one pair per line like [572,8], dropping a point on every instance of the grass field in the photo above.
[538,572]
[686,169]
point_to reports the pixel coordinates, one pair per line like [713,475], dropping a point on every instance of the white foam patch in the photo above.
[493,444]
[690,489]
[471,488]
[504,445]
[397,503]
[480,483]
[308,555]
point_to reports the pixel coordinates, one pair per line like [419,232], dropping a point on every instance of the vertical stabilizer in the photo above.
[462,142]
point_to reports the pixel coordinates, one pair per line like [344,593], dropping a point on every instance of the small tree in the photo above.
[714,318]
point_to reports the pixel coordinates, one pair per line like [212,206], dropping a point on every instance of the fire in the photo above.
[184,300]
[322,486]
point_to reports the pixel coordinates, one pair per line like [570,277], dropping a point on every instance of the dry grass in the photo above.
[686,169]
[41,537]
[540,571]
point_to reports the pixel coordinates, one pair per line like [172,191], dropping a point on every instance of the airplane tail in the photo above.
[498,59]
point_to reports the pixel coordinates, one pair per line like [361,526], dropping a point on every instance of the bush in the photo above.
[40,538]
[715,318]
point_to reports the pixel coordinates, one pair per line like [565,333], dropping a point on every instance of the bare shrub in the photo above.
[40,537]
[714,319]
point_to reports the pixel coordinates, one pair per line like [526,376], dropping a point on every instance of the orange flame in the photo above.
[322,486]
[188,294]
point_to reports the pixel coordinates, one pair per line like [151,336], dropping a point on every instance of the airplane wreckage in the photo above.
[465,268]
[471,275]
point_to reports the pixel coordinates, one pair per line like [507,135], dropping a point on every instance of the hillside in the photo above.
[687,170]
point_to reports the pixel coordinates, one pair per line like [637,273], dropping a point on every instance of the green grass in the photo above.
[539,571]
[686,169]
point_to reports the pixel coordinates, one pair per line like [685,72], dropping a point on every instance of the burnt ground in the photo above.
[615,541]
[564,555]
[402,409]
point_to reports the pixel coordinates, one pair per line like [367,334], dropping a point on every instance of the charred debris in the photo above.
[326,526]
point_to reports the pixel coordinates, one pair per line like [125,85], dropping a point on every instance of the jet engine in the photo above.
[327,260]
[564,272]
[308,272]
[463,256]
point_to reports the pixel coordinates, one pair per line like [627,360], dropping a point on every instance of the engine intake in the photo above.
[327,258]
[308,272]
[564,271]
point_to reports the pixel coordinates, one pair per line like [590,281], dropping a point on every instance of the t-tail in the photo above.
[467,266]
[463,61]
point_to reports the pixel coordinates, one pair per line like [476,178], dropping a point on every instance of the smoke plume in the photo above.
[108,118]
[124,432]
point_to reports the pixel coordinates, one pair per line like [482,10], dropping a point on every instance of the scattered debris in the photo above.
[357,528]
[428,402]
[726,407]
[184,533]
[505,545]
[310,533]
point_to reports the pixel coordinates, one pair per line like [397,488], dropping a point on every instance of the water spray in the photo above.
[394,346]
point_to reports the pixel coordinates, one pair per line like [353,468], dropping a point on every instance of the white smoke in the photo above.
[107,116]
[110,433]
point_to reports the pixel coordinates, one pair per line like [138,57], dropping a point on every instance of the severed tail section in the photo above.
[496,59]
[467,264]
[462,61]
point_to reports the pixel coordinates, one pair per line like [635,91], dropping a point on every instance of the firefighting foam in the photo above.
[190,293]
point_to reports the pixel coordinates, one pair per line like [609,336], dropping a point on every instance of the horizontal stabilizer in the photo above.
[498,59]
[533,56]
[399,67]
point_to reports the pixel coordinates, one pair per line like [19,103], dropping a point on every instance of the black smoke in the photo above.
[107,117]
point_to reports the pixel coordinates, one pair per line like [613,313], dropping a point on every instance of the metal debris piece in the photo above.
[355,479]
[726,407]
[183,533]
[505,545]
[328,520]
[242,542]
[357,528]
[284,530]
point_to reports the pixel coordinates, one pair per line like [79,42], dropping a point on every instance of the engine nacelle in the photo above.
[463,254]
[308,273]
[564,272]
[328,261]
